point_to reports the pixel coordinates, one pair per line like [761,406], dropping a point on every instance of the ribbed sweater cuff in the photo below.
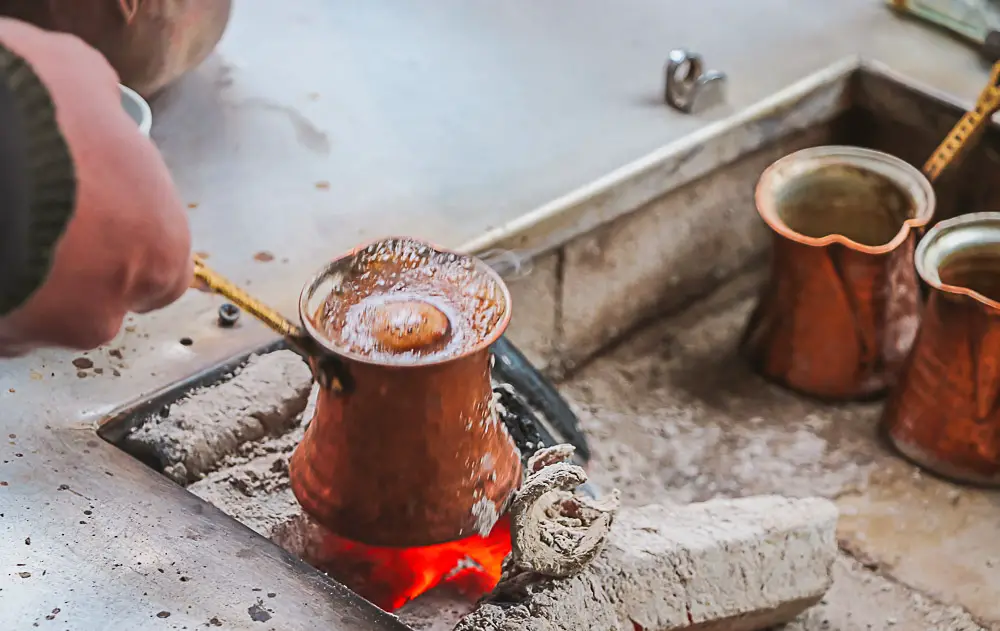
[38,187]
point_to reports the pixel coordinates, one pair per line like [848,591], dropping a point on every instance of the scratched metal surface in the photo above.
[322,123]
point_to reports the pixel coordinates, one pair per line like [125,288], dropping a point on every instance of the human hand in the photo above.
[127,245]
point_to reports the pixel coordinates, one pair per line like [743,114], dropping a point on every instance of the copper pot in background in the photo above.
[945,412]
[411,453]
[151,43]
[841,308]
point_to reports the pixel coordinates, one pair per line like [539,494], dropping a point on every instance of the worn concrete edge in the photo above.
[876,67]
[630,188]
[663,567]
[813,100]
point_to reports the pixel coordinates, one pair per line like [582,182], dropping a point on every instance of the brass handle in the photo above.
[225,287]
[328,370]
[968,127]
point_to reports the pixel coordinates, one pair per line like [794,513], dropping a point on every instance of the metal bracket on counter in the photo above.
[688,87]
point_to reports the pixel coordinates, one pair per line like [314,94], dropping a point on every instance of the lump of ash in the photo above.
[265,398]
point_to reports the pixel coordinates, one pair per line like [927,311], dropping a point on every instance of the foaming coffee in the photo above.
[403,302]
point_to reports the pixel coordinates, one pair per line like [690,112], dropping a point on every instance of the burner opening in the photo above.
[228,438]
[392,577]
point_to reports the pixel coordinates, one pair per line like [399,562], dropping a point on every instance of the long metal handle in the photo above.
[225,287]
[969,126]
[327,369]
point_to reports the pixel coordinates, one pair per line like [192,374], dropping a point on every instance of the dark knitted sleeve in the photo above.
[37,182]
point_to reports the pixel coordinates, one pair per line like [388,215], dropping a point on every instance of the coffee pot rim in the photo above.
[804,161]
[316,283]
[950,236]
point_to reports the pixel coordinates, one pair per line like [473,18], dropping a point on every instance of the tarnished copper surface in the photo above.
[412,452]
[839,313]
[149,42]
[945,412]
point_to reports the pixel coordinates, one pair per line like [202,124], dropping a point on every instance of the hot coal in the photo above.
[264,398]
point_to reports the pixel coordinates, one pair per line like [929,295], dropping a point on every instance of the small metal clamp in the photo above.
[688,87]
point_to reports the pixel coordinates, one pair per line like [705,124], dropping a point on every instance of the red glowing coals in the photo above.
[391,577]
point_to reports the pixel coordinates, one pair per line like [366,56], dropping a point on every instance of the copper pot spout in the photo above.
[840,311]
[409,452]
[945,412]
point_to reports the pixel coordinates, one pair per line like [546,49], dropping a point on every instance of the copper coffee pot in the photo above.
[405,448]
[838,315]
[841,309]
[945,412]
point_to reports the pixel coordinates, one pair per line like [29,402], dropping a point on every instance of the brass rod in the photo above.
[223,286]
[967,129]
[326,368]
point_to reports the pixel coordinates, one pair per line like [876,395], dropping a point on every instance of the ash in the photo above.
[263,399]
[674,415]
[251,483]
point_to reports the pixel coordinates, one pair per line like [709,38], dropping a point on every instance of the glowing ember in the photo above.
[391,577]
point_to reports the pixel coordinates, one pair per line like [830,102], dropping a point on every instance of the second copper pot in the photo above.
[411,452]
[945,412]
[841,308]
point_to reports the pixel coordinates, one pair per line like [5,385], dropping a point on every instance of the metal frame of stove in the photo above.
[543,412]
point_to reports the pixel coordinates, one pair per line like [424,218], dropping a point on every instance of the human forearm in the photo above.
[105,232]
[36,181]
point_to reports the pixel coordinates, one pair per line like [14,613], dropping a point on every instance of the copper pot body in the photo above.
[945,412]
[841,308]
[150,43]
[405,455]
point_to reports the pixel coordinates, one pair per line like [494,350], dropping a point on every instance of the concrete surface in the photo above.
[740,565]
[322,124]
[325,122]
